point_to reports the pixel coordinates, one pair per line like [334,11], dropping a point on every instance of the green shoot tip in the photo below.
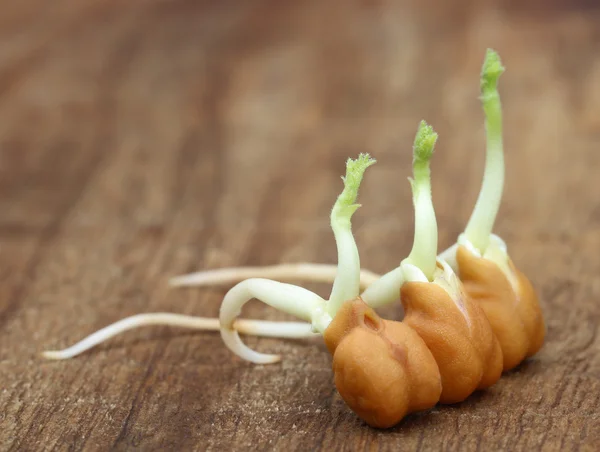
[424,143]
[355,169]
[491,71]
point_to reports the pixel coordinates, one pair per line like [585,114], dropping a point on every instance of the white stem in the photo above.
[324,273]
[346,284]
[253,327]
[484,214]
[291,299]
[423,253]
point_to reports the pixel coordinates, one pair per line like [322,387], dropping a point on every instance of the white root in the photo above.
[294,330]
[324,273]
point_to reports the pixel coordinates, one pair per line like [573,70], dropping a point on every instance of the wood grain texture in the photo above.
[143,139]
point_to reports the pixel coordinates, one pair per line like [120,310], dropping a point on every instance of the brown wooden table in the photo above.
[143,139]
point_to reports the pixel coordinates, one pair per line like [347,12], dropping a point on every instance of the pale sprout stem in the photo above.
[484,214]
[346,284]
[293,300]
[424,250]
[254,327]
[423,253]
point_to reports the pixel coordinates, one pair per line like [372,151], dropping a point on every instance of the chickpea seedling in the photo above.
[469,313]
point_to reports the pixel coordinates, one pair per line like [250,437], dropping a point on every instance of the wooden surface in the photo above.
[143,139]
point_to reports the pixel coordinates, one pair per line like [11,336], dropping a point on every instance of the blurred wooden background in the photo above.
[143,139]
